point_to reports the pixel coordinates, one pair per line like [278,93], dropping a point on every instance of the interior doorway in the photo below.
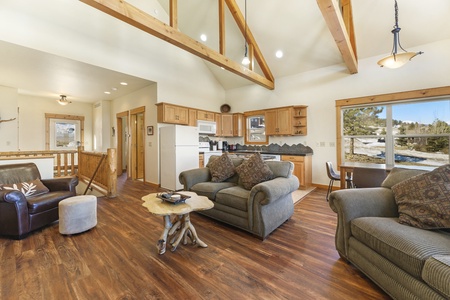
[123,135]
[137,149]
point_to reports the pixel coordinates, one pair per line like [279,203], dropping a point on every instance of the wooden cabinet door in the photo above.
[192,117]
[302,168]
[173,114]
[238,124]
[205,115]
[271,122]
[227,124]
[284,123]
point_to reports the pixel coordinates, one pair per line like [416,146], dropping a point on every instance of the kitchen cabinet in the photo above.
[224,123]
[205,115]
[302,168]
[192,117]
[172,114]
[278,121]
[238,124]
[299,120]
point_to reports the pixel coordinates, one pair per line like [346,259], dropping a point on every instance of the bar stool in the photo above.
[335,177]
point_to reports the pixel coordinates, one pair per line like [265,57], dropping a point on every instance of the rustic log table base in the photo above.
[180,229]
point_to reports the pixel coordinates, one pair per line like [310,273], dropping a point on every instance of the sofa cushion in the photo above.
[397,175]
[210,189]
[221,168]
[236,197]
[405,246]
[424,200]
[46,201]
[253,171]
[436,273]
[281,168]
[28,188]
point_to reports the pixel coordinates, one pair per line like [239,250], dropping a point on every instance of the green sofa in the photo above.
[260,210]
[405,261]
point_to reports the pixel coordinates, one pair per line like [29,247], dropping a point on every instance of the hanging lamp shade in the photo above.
[396,59]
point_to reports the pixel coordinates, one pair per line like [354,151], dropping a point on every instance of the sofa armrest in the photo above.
[61,184]
[13,213]
[191,177]
[350,204]
[275,189]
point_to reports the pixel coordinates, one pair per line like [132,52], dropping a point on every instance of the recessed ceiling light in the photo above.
[123,83]
[203,37]
[114,89]
[106,92]
[279,54]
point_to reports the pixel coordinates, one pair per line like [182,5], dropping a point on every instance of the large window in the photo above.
[405,133]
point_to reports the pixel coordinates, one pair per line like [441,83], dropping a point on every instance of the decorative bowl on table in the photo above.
[172,197]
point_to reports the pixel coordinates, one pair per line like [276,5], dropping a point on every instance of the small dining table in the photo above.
[346,169]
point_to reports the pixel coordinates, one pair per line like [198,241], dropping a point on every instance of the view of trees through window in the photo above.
[410,133]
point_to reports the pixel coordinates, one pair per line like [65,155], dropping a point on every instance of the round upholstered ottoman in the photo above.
[77,214]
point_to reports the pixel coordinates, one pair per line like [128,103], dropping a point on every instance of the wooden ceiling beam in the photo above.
[240,21]
[140,19]
[335,22]
[221,27]
[173,13]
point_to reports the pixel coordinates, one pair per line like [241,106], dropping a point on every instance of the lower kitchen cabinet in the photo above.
[302,168]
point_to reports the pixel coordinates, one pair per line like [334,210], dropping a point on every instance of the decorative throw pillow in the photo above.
[424,200]
[253,171]
[29,189]
[221,168]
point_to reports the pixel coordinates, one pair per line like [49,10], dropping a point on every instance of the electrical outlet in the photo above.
[322,144]
[332,144]
[149,144]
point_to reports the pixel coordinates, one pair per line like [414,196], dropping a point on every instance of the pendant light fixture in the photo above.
[396,60]
[63,100]
[245,60]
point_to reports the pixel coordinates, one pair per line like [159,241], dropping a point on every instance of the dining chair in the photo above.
[335,177]
[368,177]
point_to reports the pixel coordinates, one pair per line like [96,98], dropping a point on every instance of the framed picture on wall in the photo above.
[149,130]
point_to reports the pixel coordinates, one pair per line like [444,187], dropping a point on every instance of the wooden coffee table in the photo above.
[180,228]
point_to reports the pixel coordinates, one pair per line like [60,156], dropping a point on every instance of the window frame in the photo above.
[381,100]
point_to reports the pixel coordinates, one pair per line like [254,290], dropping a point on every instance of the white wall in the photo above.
[320,88]
[8,130]
[27,131]
[182,77]
[143,97]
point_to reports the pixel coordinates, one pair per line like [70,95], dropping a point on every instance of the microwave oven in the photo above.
[206,127]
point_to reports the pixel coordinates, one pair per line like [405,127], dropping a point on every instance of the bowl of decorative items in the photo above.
[172,197]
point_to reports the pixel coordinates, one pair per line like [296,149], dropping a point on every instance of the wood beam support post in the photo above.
[139,19]
[333,18]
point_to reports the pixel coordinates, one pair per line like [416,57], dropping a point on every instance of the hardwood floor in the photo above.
[118,260]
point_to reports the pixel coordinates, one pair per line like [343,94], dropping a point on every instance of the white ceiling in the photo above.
[295,27]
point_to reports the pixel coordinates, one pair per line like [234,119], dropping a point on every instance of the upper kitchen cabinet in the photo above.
[299,120]
[173,114]
[192,117]
[205,115]
[238,124]
[224,123]
[278,121]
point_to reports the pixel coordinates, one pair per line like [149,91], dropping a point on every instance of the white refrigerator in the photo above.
[178,152]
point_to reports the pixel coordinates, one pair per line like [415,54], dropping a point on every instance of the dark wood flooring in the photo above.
[118,260]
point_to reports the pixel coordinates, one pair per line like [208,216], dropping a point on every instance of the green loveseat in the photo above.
[260,210]
[405,261]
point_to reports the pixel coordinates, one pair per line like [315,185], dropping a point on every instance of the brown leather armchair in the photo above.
[20,214]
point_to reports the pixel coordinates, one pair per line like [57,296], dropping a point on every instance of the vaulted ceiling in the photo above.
[298,28]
